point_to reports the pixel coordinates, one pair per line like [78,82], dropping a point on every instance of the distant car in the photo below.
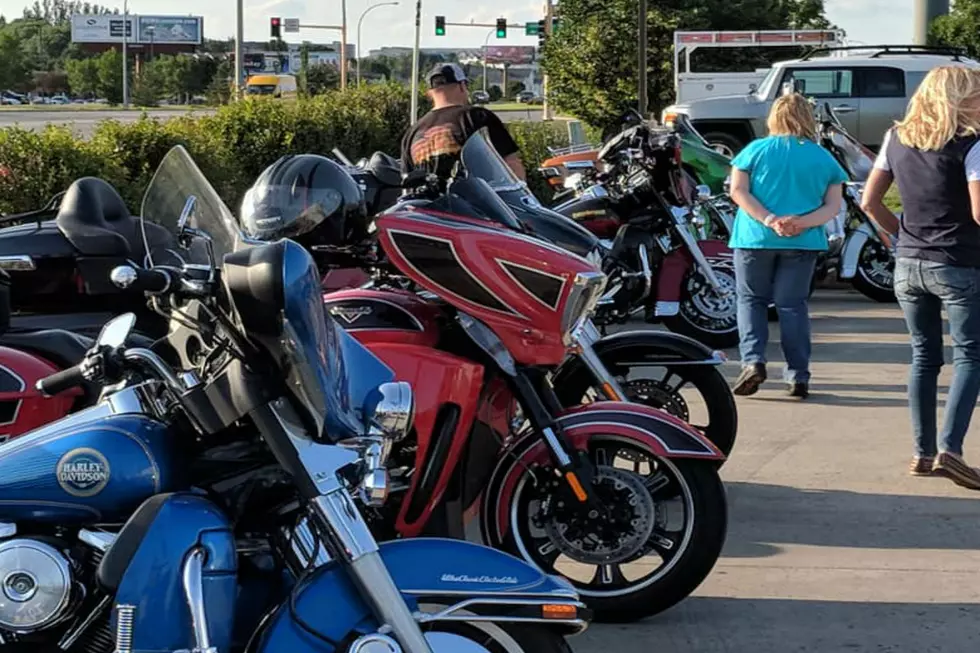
[481,97]
[59,99]
[100,100]
[9,101]
[79,101]
[40,100]
[524,97]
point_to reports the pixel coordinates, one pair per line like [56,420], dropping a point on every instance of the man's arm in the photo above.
[503,142]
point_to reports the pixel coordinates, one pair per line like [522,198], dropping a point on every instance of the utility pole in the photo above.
[642,86]
[125,54]
[239,49]
[415,62]
[925,12]
[549,13]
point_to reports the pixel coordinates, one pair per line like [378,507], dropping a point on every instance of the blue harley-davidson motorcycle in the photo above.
[233,451]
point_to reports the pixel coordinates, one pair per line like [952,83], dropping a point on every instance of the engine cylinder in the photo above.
[35,585]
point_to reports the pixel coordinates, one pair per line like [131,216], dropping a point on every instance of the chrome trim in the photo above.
[302,541]
[396,409]
[564,460]
[193,582]
[488,341]
[152,361]
[125,615]
[601,373]
[559,595]
[579,165]
[99,540]
[680,219]
[645,270]
[17,263]
[350,534]
[370,644]
[123,276]
[7,530]
[588,284]
[447,614]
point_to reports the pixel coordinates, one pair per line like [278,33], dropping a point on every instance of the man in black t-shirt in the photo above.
[434,142]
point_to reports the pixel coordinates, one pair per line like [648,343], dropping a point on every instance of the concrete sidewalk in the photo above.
[832,546]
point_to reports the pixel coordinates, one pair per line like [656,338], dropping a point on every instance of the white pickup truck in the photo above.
[697,86]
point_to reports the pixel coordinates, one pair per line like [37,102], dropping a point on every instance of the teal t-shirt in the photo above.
[790,176]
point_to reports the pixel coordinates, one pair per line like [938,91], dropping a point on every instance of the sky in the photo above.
[866,21]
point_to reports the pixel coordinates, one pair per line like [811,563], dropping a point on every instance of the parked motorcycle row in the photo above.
[859,252]
[205,451]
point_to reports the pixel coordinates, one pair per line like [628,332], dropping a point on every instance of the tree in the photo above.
[513,88]
[83,77]
[109,67]
[960,28]
[321,78]
[495,93]
[13,70]
[219,88]
[592,59]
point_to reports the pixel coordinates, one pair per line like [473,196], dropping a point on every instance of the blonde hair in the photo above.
[946,105]
[792,115]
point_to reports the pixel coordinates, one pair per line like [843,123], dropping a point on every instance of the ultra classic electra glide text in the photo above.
[278,418]
[624,499]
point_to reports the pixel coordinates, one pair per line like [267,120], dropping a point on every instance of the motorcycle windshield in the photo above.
[480,159]
[179,198]
[858,160]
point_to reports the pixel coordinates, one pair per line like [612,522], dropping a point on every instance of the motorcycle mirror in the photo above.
[115,332]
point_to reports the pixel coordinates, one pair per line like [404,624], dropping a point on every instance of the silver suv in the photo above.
[868,92]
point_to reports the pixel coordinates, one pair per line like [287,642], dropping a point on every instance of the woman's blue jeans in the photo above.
[781,277]
[923,289]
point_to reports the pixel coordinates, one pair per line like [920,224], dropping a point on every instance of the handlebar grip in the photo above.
[152,281]
[58,382]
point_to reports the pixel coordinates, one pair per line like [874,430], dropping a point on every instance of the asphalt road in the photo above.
[831,546]
[84,122]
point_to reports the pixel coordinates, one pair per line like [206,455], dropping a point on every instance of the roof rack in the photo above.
[885,50]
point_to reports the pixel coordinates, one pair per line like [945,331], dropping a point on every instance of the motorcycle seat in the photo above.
[63,348]
[386,169]
[95,220]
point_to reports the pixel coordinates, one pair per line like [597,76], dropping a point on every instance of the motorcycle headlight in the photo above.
[586,290]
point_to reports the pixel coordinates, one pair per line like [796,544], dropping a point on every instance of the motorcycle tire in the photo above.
[716,394]
[700,544]
[496,637]
[689,320]
[863,284]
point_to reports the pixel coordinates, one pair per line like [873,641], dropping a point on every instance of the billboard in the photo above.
[101,29]
[170,30]
[512,54]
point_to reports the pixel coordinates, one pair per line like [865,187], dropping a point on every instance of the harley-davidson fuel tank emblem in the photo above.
[83,472]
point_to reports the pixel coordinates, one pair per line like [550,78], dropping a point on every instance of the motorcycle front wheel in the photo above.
[705,314]
[696,394]
[662,533]
[875,273]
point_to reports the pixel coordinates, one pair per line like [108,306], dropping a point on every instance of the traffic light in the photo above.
[542,34]
[440,25]
[275,27]
[501,28]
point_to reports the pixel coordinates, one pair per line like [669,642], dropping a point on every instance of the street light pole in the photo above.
[486,46]
[239,48]
[343,44]
[125,54]
[359,21]
[415,61]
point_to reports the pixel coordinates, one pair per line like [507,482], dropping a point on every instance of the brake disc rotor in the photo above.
[617,536]
[650,392]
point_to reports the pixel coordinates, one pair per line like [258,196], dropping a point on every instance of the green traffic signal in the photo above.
[440,25]
[501,28]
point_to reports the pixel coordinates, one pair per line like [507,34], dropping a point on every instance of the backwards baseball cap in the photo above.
[445,74]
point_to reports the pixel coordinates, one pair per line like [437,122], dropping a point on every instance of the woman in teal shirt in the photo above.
[787,187]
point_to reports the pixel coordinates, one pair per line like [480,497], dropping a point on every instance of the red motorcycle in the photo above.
[622,499]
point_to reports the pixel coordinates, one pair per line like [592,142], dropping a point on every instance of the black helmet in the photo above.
[306,197]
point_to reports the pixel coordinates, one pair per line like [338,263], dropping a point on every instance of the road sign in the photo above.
[291,25]
[531,29]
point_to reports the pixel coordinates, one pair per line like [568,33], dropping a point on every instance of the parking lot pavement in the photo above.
[832,546]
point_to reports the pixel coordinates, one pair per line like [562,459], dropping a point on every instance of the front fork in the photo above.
[585,337]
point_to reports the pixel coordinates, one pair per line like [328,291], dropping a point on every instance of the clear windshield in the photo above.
[766,84]
[177,180]
[480,159]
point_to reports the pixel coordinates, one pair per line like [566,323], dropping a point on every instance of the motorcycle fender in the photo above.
[146,563]
[851,253]
[425,570]
[675,268]
[663,434]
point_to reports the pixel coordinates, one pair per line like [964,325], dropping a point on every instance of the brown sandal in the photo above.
[921,466]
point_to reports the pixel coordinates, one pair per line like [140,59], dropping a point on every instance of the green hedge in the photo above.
[231,146]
